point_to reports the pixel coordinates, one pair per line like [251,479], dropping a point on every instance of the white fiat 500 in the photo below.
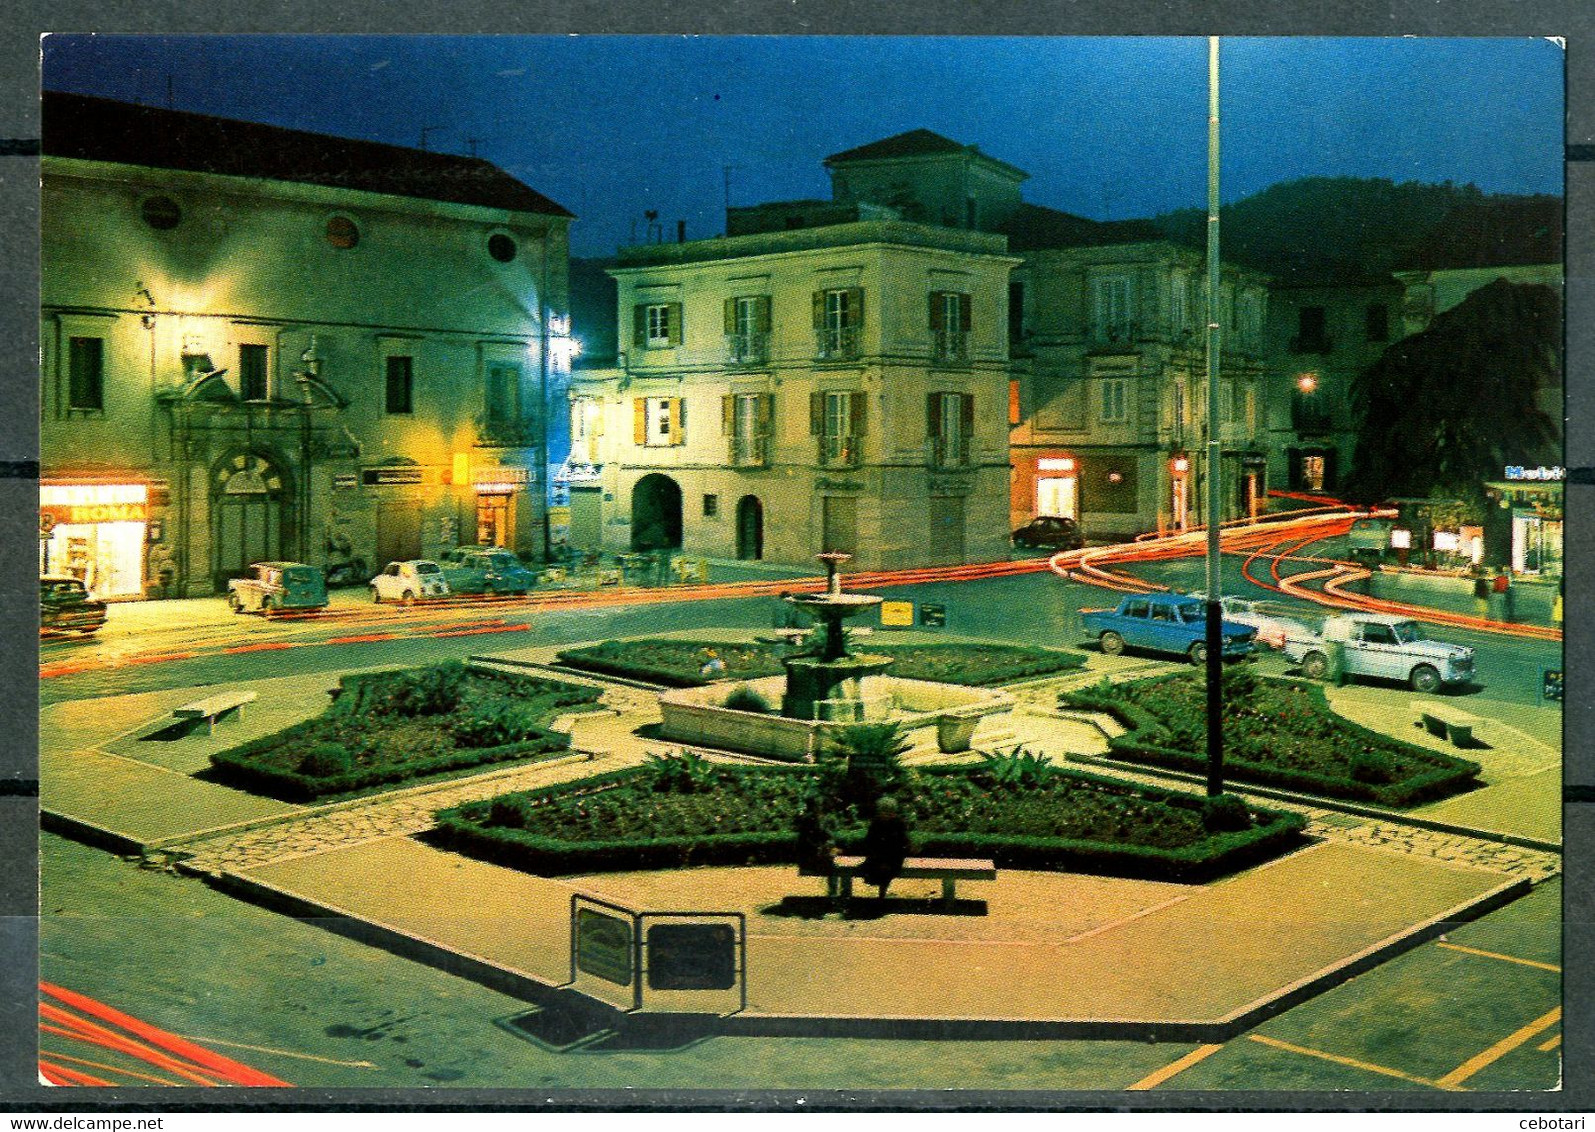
[416,580]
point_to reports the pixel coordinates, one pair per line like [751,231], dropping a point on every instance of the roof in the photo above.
[914,143]
[102,129]
[1034,226]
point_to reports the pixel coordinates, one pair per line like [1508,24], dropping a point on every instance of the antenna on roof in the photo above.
[168,90]
[471,144]
[656,231]
[425,130]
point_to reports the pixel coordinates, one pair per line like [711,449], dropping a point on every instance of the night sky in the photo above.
[1107,128]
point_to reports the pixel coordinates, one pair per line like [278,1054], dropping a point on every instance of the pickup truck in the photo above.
[1163,623]
[1392,648]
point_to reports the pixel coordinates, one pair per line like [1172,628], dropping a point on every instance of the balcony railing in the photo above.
[1310,419]
[836,342]
[750,451]
[749,349]
[507,432]
[840,451]
[949,451]
[952,345]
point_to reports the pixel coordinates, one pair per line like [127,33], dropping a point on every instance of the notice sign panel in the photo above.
[932,614]
[692,957]
[603,946]
[897,615]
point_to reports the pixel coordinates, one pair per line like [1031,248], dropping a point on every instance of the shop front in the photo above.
[1527,517]
[496,488]
[97,533]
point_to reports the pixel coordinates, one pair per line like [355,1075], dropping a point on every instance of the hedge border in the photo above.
[462,829]
[1450,775]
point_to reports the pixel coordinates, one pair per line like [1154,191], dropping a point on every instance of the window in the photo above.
[747,328]
[711,506]
[950,428]
[503,394]
[1181,420]
[1375,634]
[1312,331]
[1113,299]
[1376,323]
[400,384]
[1226,401]
[971,212]
[1179,316]
[659,422]
[501,247]
[1114,408]
[253,372]
[838,421]
[1251,410]
[950,324]
[86,374]
[1136,608]
[656,326]
[838,321]
[586,425]
[746,420]
[1016,311]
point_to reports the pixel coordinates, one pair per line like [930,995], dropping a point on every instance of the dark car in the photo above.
[1052,531]
[66,606]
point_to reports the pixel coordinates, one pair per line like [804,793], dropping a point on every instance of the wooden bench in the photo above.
[1446,722]
[947,870]
[212,708]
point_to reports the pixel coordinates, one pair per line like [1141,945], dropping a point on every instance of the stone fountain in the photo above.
[828,689]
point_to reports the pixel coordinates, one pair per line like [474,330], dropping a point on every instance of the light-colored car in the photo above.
[1379,645]
[493,571]
[270,586]
[418,579]
[1273,630]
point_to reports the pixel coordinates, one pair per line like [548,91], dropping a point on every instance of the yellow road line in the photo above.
[1157,1077]
[1501,1048]
[1353,1062]
[1549,1045]
[1498,955]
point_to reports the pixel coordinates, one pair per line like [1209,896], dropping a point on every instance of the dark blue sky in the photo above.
[1108,128]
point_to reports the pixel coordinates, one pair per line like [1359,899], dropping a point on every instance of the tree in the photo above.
[1445,410]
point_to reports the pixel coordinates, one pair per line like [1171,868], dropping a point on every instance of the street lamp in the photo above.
[1215,497]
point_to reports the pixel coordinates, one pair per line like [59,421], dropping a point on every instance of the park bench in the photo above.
[212,708]
[947,870]
[1446,722]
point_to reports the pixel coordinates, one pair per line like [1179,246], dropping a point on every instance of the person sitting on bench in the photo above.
[885,845]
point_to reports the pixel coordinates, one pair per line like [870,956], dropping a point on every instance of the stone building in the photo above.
[261,343]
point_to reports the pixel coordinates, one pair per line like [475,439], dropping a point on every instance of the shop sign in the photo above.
[88,513]
[399,474]
[46,524]
[345,481]
[495,475]
[1541,474]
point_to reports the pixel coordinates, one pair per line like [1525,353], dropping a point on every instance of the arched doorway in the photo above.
[251,513]
[656,513]
[750,527]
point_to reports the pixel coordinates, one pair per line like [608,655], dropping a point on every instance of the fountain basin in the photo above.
[934,716]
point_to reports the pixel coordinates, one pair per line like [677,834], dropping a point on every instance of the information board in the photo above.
[897,615]
[603,946]
[692,957]
[932,615]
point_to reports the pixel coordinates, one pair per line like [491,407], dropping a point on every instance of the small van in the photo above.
[270,586]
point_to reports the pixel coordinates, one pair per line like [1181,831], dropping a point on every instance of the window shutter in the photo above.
[965,311]
[855,306]
[639,421]
[764,314]
[731,316]
[816,413]
[819,310]
[675,324]
[728,413]
[933,415]
[595,422]
[859,411]
[966,415]
[678,421]
[639,325]
[764,414]
[938,312]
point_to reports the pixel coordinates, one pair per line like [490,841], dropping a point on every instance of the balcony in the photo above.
[1312,344]
[750,451]
[950,451]
[749,349]
[952,346]
[840,451]
[507,432]
[1309,419]
[836,343]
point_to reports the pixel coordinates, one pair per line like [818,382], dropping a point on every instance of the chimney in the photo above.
[681,231]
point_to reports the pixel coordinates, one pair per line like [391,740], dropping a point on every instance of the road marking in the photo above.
[1154,1079]
[477,632]
[1498,955]
[362,638]
[1355,1064]
[264,646]
[1500,1049]
[281,1052]
[109,1068]
[1089,932]
[1548,1046]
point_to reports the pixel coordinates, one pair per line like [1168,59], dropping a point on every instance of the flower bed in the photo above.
[680,663]
[1276,733]
[1064,819]
[391,727]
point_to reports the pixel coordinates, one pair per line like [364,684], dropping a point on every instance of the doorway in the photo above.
[656,513]
[249,511]
[750,528]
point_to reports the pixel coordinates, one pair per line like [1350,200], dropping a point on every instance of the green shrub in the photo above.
[1372,767]
[506,812]
[325,760]
[871,755]
[744,698]
[1019,767]
[434,690]
[494,724]
[1225,813]
[686,772]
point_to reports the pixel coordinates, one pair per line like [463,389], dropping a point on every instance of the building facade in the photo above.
[266,344]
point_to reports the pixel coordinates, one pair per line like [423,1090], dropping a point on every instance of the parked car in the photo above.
[269,586]
[1052,531]
[418,579]
[1272,629]
[1164,623]
[1391,648]
[491,571]
[66,606]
